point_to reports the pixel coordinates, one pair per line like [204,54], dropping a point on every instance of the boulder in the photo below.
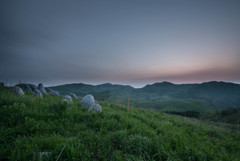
[32,86]
[51,92]
[95,107]
[38,93]
[48,90]
[54,93]
[64,100]
[18,91]
[41,88]
[88,101]
[73,95]
[69,98]
[25,87]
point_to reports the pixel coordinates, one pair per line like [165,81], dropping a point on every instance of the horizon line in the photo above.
[11,84]
[123,84]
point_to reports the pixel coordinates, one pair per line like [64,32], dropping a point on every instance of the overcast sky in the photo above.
[133,42]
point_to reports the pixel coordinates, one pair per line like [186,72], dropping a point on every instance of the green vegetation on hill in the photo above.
[206,95]
[230,115]
[30,125]
[178,105]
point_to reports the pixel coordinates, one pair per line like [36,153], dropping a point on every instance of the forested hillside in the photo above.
[205,97]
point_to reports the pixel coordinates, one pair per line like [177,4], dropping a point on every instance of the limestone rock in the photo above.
[69,98]
[38,93]
[41,88]
[88,100]
[48,90]
[32,86]
[54,93]
[96,107]
[18,91]
[51,92]
[73,95]
[25,87]
[64,100]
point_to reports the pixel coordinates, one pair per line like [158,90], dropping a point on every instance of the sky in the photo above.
[134,42]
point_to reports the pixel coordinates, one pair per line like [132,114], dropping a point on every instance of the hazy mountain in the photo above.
[164,95]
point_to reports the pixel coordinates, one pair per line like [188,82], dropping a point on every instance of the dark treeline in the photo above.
[192,114]
[230,115]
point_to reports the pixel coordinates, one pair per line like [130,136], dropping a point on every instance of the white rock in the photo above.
[73,95]
[48,90]
[25,87]
[69,98]
[88,101]
[95,107]
[54,93]
[64,100]
[41,88]
[51,92]
[18,91]
[38,93]
[32,86]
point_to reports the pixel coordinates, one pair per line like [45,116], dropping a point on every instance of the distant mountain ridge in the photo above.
[218,94]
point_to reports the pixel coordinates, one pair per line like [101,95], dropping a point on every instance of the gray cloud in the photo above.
[119,41]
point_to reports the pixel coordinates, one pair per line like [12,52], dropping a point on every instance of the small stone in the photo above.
[48,90]
[18,91]
[73,95]
[64,100]
[54,93]
[69,98]
[51,92]
[95,107]
[88,101]
[44,155]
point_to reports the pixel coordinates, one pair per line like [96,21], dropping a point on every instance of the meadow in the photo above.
[30,126]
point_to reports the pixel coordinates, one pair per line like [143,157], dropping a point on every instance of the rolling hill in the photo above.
[205,96]
[34,128]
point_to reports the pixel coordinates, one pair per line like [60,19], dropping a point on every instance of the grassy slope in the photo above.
[179,105]
[163,104]
[230,115]
[30,125]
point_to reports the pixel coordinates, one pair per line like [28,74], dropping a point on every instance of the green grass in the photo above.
[29,125]
[179,105]
[229,115]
